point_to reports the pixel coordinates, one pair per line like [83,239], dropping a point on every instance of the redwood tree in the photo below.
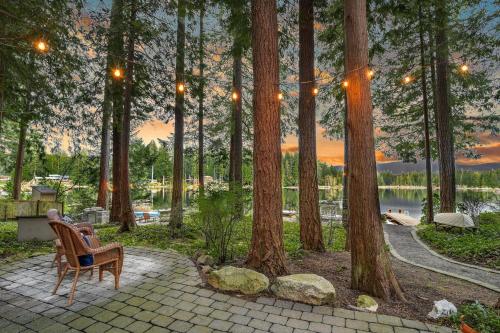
[427,145]
[127,219]
[371,268]
[446,150]
[311,235]
[201,97]
[115,42]
[117,96]
[176,215]
[267,252]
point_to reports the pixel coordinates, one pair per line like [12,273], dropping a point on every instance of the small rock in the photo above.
[205,260]
[306,288]
[367,303]
[238,279]
[206,269]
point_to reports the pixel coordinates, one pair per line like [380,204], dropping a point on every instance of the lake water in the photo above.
[408,201]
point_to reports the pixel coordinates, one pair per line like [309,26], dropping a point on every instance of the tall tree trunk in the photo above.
[115,41]
[236,149]
[371,268]
[2,95]
[176,215]
[201,97]
[21,148]
[267,252]
[433,79]
[102,194]
[445,134]
[345,196]
[128,218]
[117,95]
[427,147]
[311,235]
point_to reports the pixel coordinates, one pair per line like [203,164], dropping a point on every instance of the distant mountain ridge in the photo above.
[400,167]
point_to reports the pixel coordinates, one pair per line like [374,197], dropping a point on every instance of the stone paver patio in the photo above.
[161,291]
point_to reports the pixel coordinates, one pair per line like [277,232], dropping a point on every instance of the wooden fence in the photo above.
[10,209]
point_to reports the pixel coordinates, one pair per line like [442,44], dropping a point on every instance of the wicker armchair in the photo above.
[106,258]
[85,228]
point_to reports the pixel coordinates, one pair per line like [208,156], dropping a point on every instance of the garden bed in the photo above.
[481,247]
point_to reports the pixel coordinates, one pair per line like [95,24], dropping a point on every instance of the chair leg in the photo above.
[117,276]
[73,288]
[91,273]
[101,273]
[61,277]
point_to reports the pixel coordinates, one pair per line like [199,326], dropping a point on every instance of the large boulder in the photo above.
[306,288]
[243,280]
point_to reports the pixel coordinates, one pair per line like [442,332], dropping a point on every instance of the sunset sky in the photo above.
[330,151]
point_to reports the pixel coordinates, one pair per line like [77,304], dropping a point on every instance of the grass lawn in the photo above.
[479,248]
[156,236]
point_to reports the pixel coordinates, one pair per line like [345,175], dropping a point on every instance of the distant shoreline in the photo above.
[408,187]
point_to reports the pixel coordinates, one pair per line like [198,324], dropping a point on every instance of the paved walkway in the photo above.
[408,249]
[161,292]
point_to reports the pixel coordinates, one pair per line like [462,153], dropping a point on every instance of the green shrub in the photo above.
[482,318]
[219,213]
[480,247]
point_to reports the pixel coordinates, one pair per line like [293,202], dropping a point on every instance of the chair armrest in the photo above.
[106,248]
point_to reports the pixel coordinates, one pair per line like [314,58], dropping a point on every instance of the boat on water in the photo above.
[147,217]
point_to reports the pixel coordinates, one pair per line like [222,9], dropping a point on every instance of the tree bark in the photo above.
[311,235]
[115,37]
[21,148]
[102,194]
[176,215]
[446,150]
[201,97]
[117,95]
[371,268]
[127,218]
[236,149]
[345,195]
[267,253]
[427,147]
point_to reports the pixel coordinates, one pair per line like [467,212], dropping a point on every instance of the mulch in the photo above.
[421,287]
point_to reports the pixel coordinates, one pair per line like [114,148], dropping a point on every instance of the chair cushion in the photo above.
[87,259]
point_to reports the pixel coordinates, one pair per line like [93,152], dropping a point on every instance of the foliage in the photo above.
[436,201]
[478,316]
[12,249]
[218,218]
[153,236]
[481,247]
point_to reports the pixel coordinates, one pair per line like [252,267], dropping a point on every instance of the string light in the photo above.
[464,68]
[315,91]
[280,96]
[407,79]
[117,73]
[41,46]
[345,84]
[370,74]
[234,96]
[180,87]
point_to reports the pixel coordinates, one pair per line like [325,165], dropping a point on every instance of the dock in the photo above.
[402,219]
